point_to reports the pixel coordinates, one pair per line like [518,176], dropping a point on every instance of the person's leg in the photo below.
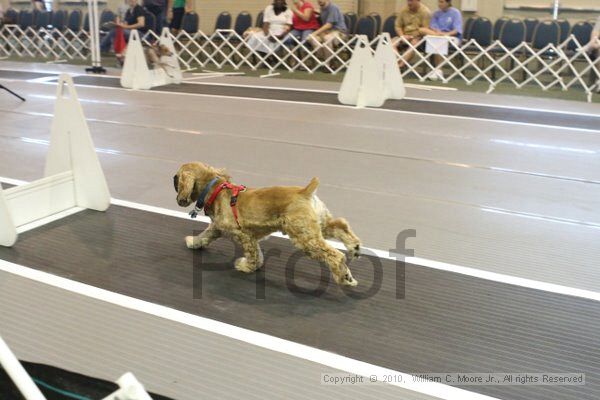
[294,34]
[409,53]
[121,56]
[161,19]
[316,43]
[107,41]
[305,34]
[331,39]
[177,19]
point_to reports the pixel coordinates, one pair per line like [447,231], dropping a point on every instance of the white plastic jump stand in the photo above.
[362,85]
[386,62]
[73,175]
[136,72]
[130,389]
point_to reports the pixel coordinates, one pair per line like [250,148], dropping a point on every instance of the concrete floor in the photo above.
[509,198]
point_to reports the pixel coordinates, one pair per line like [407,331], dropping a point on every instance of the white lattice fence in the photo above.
[565,66]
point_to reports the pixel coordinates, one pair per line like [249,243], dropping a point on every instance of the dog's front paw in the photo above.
[348,280]
[355,252]
[193,242]
[242,265]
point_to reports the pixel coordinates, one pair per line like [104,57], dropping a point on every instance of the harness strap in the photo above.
[235,190]
[200,201]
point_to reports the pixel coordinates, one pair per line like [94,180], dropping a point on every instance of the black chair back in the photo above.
[389,26]
[366,26]
[223,21]
[530,24]
[513,33]
[242,22]
[190,23]
[547,32]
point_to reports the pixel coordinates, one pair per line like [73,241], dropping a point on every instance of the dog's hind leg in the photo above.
[253,256]
[202,240]
[339,229]
[311,241]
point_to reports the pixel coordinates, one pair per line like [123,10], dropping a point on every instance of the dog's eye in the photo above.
[176,183]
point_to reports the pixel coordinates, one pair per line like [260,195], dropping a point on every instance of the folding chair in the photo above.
[366,26]
[389,26]
[59,20]
[223,21]
[498,25]
[565,29]
[512,35]
[260,19]
[531,24]
[242,22]
[467,28]
[377,18]
[351,22]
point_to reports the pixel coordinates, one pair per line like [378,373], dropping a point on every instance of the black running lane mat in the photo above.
[59,384]
[417,106]
[446,322]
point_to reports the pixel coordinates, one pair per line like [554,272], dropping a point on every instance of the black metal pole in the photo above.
[11,92]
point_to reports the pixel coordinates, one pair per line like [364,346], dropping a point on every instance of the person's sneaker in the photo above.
[440,74]
[432,76]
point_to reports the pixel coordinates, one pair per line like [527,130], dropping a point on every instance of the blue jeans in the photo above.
[107,41]
[300,35]
[161,16]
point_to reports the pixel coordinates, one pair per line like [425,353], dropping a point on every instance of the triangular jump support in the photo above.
[73,176]
[362,85]
[137,74]
[387,64]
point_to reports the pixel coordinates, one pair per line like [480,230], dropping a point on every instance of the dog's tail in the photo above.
[310,189]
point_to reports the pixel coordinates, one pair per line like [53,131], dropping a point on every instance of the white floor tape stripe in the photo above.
[251,337]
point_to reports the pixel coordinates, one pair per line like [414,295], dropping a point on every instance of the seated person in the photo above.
[331,32]
[134,19]
[411,18]
[447,21]
[304,21]
[277,23]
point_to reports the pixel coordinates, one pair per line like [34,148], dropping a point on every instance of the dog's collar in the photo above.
[200,202]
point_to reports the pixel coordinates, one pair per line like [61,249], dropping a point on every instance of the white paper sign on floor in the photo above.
[73,175]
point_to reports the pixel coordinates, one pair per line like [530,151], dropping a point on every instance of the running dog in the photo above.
[249,215]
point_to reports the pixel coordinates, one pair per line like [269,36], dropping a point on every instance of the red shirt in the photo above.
[302,25]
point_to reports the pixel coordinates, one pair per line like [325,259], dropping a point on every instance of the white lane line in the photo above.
[388,255]
[244,335]
[157,91]
[49,219]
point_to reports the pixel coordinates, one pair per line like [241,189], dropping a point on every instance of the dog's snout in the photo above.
[183,202]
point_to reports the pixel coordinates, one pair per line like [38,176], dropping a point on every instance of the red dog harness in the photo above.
[235,190]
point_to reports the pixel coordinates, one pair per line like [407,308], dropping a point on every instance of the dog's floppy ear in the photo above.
[176,183]
[222,172]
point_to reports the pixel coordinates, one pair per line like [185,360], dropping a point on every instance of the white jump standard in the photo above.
[136,72]
[73,175]
[372,79]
